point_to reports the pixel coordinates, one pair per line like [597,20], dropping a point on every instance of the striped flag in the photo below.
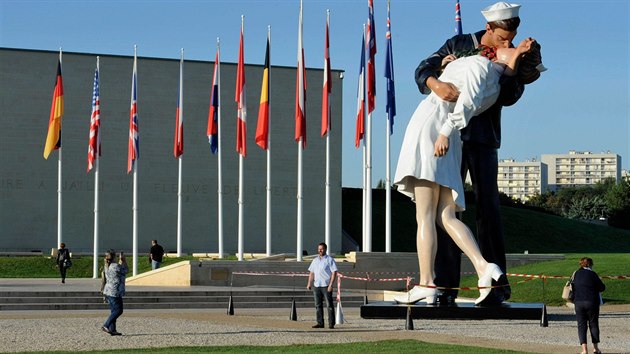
[213,116]
[133,151]
[458,19]
[390,107]
[178,141]
[262,129]
[239,97]
[94,145]
[327,83]
[371,72]
[360,130]
[300,89]
[53,137]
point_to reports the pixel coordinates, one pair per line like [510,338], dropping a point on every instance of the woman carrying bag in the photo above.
[587,287]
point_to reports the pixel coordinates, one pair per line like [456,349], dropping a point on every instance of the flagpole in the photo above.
[327,205]
[388,182]
[96,164]
[364,192]
[241,185]
[300,89]
[388,192]
[219,174]
[135,190]
[268,212]
[59,183]
[180,158]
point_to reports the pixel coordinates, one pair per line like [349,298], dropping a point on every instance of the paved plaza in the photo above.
[80,330]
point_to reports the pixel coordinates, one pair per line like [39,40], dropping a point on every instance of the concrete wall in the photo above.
[28,188]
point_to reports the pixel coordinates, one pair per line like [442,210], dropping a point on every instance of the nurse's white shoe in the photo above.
[416,294]
[485,281]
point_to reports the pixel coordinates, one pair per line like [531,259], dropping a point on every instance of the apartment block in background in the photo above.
[521,180]
[581,168]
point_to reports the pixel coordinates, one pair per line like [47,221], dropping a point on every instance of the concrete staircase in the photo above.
[188,299]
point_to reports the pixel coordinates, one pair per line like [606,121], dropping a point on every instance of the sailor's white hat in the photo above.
[500,11]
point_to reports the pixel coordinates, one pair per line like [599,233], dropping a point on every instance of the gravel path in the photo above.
[80,330]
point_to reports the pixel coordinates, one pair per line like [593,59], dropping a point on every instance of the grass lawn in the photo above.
[617,290]
[389,346]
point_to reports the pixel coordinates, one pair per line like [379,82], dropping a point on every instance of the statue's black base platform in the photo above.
[459,310]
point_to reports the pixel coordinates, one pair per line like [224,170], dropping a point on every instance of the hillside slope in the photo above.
[524,229]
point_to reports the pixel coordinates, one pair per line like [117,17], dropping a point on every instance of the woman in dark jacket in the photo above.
[587,287]
[63,259]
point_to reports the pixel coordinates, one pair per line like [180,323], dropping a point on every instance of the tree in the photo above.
[618,201]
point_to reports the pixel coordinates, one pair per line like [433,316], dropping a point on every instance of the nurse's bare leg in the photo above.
[465,240]
[426,196]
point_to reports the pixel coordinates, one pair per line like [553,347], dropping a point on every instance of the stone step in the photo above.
[154,299]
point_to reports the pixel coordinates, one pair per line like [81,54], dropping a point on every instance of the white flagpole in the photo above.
[388,192]
[135,186]
[59,183]
[180,158]
[96,163]
[268,213]
[219,175]
[240,207]
[368,182]
[300,87]
[241,186]
[327,205]
[364,194]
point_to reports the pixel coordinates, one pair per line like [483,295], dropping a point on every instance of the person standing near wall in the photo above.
[63,261]
[155,255]
[323,271]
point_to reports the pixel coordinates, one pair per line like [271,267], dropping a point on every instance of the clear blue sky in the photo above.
[581,103]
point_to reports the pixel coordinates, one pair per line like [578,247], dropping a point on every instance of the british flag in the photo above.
[134,137]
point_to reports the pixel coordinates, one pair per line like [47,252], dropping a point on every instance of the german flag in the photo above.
[53,139]
[262,129]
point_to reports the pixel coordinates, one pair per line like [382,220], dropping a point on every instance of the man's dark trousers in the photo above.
[320,293]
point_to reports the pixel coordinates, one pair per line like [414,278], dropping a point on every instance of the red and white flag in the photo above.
[300,90]
[94,144]
[327,88]
[239,97]
[178,141]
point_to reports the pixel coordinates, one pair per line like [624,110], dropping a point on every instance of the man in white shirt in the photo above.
[323,270]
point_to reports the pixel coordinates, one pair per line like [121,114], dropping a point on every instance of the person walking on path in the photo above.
[587,287]
[63,261]
[323,271]
[114,289]
[156,254]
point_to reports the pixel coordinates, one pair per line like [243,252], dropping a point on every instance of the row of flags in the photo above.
[367,82]
[366,98]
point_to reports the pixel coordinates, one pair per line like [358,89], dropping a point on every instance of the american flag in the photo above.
[327,88]
[239,97]
[300,89]
[371,44]
[133,152]
[390,107]
[360,129]
[213,115]
[94,145]
[178,141]
[458,19]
